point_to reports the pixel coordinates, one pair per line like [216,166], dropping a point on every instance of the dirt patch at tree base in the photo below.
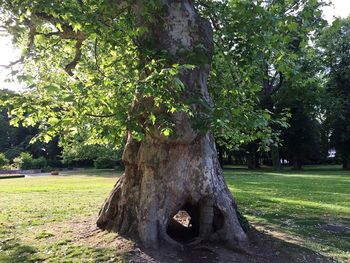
[264,247]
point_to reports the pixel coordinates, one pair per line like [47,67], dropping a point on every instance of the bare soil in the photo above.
[264,247]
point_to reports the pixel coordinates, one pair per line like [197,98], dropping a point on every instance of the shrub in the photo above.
[39,163]
[105,162]
[3,161]
[24,161]
[54,163]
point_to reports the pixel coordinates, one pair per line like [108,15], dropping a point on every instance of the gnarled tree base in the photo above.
[162,178]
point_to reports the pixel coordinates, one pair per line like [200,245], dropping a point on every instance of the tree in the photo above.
[301,141]
[302,94]
[141,67]
[258,45]
[335,48]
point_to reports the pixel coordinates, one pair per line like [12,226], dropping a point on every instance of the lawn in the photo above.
[39,216]
[310,207]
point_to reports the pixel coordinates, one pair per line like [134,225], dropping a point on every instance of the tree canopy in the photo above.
[82,67]
[335,48]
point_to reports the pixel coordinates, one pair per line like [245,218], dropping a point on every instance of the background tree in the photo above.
[259,45]
[302,94]
[76,151]
[335,47]
[14,140]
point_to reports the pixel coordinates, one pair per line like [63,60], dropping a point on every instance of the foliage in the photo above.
[258,49]
[87,72]
[15,140]
[301,141]
[84,69]
[3,161]
[104,162]
[302,95]
[335,47]
[78,150]
[38,163]
[25,161]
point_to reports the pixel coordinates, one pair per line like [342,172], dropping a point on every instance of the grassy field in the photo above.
[38,216]
[299,207]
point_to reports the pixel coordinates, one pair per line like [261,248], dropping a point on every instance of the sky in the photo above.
[340,8]
[9,53]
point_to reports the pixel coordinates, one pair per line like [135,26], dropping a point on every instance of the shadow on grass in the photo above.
[59,252]
[104,173]
[16,252]
[263,248]
[335,169]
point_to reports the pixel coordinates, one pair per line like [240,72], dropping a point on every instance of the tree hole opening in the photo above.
[184,225]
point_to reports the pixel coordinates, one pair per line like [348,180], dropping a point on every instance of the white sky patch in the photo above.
[340,8]
[8,53]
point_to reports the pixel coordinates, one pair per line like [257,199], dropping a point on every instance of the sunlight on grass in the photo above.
[36,202]
[305,203]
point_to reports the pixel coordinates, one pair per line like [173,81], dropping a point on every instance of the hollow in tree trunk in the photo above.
[164,175]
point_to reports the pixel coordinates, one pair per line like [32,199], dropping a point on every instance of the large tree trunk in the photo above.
[164,175]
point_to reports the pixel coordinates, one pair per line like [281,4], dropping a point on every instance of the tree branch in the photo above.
[100,116]
[20,60]
[275,88]
[66,33]
[69,68]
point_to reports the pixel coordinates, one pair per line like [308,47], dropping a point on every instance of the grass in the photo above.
[28,206]
[293,205]
[298,204]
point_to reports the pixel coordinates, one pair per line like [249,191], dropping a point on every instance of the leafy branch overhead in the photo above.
[82,67]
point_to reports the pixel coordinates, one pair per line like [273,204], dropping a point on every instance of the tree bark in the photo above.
[275,156]
[164,175]
[221,156]
[346,163]
[297,163]
[253,156]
